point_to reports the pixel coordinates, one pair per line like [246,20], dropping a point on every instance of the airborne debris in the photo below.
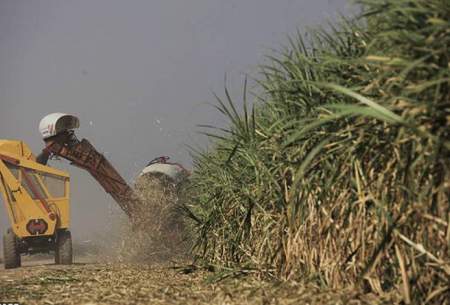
[158,234]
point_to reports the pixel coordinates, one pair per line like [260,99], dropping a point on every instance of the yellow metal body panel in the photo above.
[17,148]
[32,192]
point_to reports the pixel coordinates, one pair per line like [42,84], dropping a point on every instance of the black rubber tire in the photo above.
[63,249]
[11,255]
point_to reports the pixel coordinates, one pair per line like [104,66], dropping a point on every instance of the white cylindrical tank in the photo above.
[174,171]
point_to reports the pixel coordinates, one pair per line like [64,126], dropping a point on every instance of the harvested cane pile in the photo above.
[340,174]
[157,233]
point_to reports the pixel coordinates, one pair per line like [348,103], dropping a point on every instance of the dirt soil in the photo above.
[97,283]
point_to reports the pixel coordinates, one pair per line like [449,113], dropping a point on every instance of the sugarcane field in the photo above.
[225,152]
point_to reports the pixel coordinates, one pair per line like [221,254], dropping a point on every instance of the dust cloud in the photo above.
[158,233]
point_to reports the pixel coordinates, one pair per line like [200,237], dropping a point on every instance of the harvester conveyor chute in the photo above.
[60,140]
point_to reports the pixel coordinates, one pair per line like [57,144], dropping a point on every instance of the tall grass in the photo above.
[339,173]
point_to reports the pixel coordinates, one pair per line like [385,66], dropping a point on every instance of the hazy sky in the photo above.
[139,74]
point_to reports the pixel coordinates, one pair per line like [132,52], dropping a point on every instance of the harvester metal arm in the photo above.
[84,155]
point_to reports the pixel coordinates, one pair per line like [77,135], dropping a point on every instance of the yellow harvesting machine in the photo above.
[36,198]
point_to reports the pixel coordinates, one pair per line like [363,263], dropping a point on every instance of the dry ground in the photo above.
[101,283]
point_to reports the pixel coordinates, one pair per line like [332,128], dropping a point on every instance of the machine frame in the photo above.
[36,198]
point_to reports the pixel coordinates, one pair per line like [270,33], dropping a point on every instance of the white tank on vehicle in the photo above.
[175,172]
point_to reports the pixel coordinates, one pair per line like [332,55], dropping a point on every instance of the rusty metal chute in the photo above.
[57,130]
[60,140]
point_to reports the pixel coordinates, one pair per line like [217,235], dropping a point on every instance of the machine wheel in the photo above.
[63,249]
[11,253]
